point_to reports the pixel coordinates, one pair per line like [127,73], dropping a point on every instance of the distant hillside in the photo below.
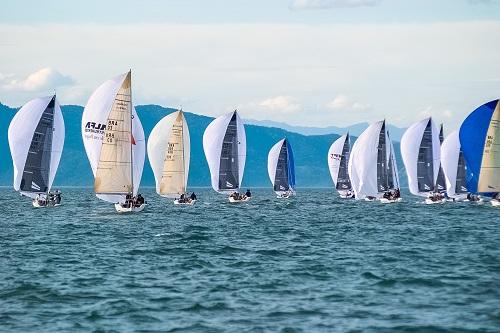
[310,151]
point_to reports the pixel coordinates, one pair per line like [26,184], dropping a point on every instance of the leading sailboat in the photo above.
[36,140]
[169,153]
[224,143]
[114,141]
[454,167]
[338,162]
[372,166]
[480,143]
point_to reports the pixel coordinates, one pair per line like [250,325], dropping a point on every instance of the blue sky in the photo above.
[307,62]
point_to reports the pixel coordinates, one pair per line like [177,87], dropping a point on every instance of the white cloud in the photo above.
[325,4]
[285,104]
[43,79]
[344,103]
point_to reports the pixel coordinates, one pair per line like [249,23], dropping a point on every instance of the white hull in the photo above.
[233,200]
[495,203]
[186,203]
[388,201]
[428,201]
[37,204]
[346,196]
[121,209]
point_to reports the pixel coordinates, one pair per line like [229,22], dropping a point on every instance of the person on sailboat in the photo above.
[248,193]
[139,200]
[193,196]
[57,197]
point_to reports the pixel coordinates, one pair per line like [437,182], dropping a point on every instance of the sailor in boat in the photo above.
[472,197]
[248,194]
[139,200]
[436,196]
[41,199]
[193,196]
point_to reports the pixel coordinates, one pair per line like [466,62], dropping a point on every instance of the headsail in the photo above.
[36,139]
[114,140]
[281,167]
[480,142]
[224,143]
[420,150]
[453,164]
[169,154]
[338,161]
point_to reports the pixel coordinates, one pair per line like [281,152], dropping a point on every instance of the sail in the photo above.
[382,161]
[392,174]
[338,160]
[114,140]
[480,143]
[224,143]
[453,164]
[420,150]
[363,162]
[440,181]
[280,167]
[169,154]
[36,139]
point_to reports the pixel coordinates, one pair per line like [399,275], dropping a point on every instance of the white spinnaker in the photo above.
[94,120]
[410,146]
[272,160]
[20,134]
[363,162]
[334,157]
[212,146]
[450,153]
[158,144]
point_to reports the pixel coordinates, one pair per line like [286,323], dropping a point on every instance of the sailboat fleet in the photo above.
[464,166]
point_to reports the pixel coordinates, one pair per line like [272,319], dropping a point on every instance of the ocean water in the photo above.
[314,263]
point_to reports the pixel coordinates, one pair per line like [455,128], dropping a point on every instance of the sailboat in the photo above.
[480,142]
[454,167]
[372,166]
[338,161]
[36,140]
[169,155]
[421,153]
[281,169]
[114,142]
[224,143]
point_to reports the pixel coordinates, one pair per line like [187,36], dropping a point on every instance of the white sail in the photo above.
[363,162]
[453,165]
[232,158]
[420,150]
[272,160]
[169,155]
[109,120]
[489,175]
[334,157]
[36,155]
[338,161]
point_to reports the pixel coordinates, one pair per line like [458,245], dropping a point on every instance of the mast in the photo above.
[181,114]
[131,136]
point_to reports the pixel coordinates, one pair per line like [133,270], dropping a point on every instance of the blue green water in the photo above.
[310,264]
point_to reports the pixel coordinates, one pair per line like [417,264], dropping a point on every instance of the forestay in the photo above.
[224,143]
[36,140]
[453,164]
[169,155]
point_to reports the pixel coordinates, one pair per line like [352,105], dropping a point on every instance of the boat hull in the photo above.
[495,203]
[233,200]
[428,201]
[121,209]
[37,204]
[186,203]
[389,201]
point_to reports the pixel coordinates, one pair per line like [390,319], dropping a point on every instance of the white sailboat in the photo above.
[114,142]
[169,154]
[454,167]
[372,166]
[224,143]
[480,143]
[338,162]
[281,169]
[421,153]
[36,140]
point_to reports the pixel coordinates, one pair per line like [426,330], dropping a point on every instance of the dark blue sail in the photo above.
[291,166]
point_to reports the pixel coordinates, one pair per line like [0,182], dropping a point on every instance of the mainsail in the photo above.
[169,154]
[114,140]
[281,167]
[420,150]
[480,142]
[453,164]
[440,181]
[36,139]
[224,143]
[338,162]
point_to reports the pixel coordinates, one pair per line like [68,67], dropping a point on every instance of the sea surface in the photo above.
[314,263]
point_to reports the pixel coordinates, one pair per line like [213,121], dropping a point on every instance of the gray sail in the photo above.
[382,179]
[37,167]
[461,182]
[228,169]
[425,163]
[392,183]
[441,181]
[343,180]
[281,178]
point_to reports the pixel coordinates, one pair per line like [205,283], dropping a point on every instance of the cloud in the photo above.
[326,4]
[43,79]
[344,103]
[284,104]
[439,115]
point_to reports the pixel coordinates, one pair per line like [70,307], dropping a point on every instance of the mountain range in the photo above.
[74,170]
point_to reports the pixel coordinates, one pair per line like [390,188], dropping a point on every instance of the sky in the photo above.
[303,62]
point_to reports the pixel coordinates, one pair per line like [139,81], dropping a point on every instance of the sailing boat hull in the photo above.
[121,209]
[388,201]
[37,204]
[233,200]
[185,203]
[495,203]
[429,201]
